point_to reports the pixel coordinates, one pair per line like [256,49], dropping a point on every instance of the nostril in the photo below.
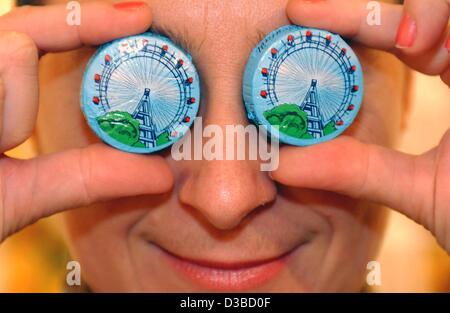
[226,198]
[225,222]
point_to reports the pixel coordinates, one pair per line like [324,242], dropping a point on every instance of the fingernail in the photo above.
[447,44]
[129,5]
[406,34]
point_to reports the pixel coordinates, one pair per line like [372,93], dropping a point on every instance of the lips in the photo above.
[186,254]
[227,276]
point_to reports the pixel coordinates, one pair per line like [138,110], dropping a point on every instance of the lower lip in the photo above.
[227,277]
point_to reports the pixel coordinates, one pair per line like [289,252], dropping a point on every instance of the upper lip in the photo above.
[218,275]
[226,258]
[229,265]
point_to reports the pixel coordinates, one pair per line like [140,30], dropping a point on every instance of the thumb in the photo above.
[417,186]
[36,188]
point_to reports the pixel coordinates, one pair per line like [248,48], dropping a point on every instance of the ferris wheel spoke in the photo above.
[122,87]
[122,74]
[298,69]
[164,106]
[139,81]
[308,87]
[162,119]
[120,79]
[165,87]
[168,107]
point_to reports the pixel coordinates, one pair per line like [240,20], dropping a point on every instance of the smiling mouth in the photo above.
[231,276]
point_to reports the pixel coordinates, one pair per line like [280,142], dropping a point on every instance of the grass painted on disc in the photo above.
[289,119]
[125,129]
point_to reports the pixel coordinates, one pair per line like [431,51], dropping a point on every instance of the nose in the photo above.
[225,191]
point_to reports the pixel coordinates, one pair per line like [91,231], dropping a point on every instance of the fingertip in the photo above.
[422,26]
[103,21]
[308,12]
[115,173]
[285,173]
[293,10]
[135,14]
[406,32]
[445,77]
[165,179]
[311,167]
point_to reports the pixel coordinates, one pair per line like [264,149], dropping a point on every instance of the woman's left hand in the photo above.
[417,186]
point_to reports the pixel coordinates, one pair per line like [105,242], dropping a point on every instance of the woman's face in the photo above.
[225,225]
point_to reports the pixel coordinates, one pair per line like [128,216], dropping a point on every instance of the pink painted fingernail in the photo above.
[447,44]
[407,31]
[129,5]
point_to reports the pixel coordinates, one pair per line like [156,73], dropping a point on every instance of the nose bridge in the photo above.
[221,69]
[222,92]
[223,104]
[225,191]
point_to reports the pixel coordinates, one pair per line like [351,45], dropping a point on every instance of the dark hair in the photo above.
[28,2]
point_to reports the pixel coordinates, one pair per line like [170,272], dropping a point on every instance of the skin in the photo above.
[223,211]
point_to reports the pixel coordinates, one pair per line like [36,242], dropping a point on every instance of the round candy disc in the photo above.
[304,84]
[141,93]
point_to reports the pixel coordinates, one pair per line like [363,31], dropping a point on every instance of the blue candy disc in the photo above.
[303,84]
[141,93]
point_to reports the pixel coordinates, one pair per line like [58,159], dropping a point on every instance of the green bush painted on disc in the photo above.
[122,127]
[162,139]
[329,128]
[289,119]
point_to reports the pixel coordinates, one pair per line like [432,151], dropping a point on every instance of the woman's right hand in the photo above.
[39,187]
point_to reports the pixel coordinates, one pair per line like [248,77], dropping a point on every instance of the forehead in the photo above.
[218,15]
[216,31]
[216,25]
[192,22]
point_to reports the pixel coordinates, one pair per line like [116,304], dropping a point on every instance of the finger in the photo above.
[446,76]
[349,167]
[99,22]
[19,36]
[43,186]
[19,76]
[422,35]
[349,18]
[424,28]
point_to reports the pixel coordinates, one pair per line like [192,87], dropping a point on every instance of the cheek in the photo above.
[60,123]
[100,236]
[379,120]
[97,238]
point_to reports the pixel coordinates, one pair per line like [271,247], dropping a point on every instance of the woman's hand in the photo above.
[417,186]
[36,188]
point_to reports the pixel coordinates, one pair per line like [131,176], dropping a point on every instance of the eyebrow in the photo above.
[182,38]
[255,38]
[179,36]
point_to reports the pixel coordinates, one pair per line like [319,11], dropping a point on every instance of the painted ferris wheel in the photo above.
[306,82]
[141,93]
